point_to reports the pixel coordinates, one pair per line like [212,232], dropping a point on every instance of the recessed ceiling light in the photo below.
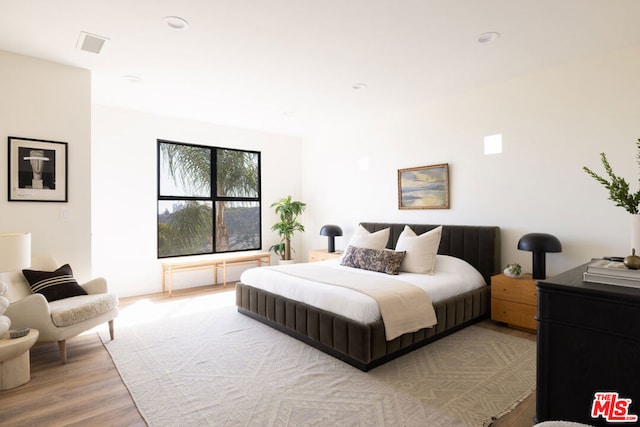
[132,79]
[357,86]
[488,37]
[176,23]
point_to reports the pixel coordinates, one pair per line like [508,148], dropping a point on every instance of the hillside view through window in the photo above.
[208,199]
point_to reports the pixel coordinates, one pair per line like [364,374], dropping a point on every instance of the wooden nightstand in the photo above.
[322,254]
[514,301]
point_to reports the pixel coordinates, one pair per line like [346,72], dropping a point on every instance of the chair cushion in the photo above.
[69,311]
[54,285]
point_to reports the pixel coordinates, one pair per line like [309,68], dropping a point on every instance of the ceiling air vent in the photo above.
[90,42]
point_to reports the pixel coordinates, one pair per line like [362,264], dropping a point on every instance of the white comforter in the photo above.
[453,276]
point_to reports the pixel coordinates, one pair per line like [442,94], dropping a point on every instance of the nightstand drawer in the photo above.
[529,293]
[519,290]
[514,313]
[314,256]
[504,291]
[322,255]
[514,301]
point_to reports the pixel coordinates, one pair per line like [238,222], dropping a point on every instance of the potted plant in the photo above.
[620,194]
[513,270]
[288,210]
[278,249]
[618,187]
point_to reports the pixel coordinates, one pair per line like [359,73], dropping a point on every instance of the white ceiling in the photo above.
[288,66]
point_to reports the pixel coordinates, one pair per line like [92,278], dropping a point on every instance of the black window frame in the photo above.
[213,196]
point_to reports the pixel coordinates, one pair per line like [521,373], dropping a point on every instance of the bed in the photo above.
[364,345]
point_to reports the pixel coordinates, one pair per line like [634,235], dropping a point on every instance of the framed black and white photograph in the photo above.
[37,170]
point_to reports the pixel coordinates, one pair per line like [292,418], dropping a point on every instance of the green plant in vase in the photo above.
[513,270]
[621,195]
[618,187]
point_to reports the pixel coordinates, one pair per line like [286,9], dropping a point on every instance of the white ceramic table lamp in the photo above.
[15,254]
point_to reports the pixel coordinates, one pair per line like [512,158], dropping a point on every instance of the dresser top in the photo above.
[571,281]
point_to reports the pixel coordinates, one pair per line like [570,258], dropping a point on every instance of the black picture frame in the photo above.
[37,170]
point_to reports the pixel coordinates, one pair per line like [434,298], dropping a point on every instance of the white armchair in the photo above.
[61,319]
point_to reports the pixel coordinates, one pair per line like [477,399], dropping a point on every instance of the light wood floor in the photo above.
[88,391]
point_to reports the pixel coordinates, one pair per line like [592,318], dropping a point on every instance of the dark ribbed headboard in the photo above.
[478,245]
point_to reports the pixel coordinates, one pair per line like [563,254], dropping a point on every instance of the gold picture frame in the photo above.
[424,187]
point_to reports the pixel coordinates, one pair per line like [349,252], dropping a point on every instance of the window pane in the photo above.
[238,173]
[237,226]
[189,209]
[185,227]
[185,170]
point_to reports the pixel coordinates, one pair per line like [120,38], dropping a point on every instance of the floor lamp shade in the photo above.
[331,231]
[15,251]
[539,244]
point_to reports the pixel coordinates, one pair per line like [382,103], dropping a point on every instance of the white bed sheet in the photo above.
[452,277]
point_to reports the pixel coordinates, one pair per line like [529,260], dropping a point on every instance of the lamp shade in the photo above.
[331,231]
[539,244]
[15,251]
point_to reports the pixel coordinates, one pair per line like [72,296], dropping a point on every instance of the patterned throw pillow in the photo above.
[380,260]
[54,285]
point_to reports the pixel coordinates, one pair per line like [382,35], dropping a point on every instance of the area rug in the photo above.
[197,362]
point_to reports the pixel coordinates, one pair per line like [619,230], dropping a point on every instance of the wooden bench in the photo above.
[219,263]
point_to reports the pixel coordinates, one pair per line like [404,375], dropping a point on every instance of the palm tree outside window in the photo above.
[208,199]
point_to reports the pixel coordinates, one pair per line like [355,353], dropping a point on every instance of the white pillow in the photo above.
[362,238]
[421,250]
[468,273]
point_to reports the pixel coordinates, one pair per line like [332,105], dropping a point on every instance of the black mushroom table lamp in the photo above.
[331,231]
[539,244]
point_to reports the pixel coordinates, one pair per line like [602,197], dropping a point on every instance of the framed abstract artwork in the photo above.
[424,187]
[37,170]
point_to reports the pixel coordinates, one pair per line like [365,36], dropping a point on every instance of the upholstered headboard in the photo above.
[478,245]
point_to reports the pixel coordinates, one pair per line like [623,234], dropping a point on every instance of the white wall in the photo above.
[124,190]
[45,100]
[552,123]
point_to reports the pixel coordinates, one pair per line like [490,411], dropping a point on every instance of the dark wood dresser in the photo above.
[588,342]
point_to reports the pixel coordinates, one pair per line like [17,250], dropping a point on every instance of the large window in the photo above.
[208,199]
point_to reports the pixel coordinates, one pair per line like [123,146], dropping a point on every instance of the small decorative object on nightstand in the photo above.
[513,271]
[514,301]
[322,255]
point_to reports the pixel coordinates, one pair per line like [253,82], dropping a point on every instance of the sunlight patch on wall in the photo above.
[363,164]
[493,144]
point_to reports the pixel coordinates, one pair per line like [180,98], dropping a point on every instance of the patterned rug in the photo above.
[197,362]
